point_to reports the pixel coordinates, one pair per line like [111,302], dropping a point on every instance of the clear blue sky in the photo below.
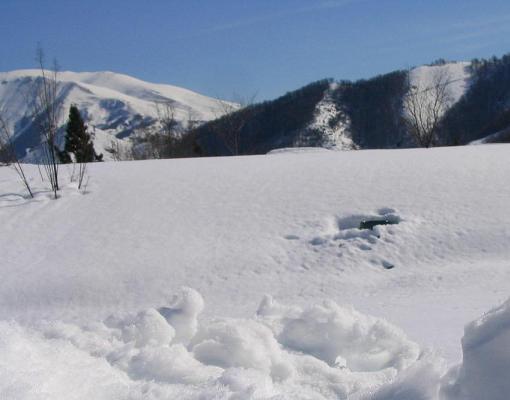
[218,47]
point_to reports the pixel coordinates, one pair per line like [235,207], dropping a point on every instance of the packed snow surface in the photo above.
[249,278]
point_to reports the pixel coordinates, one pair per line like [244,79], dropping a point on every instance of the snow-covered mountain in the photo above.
[364,114]
[333,124]
[114,105]
[345,115]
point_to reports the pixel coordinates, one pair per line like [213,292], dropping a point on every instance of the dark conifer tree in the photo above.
[78,140]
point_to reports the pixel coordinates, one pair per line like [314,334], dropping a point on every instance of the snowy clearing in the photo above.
[289,298]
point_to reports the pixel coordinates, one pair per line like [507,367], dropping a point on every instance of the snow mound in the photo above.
[341,336]
[418,382]
[182,314]
[287,352]
[298,150]
[322,351]
[483,373]
[502,136]
[242,343]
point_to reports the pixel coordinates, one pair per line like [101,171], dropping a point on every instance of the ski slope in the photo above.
[247,278]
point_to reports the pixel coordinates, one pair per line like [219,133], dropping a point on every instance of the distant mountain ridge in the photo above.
[340,115]
[364,114]
[369,113]
[114,105]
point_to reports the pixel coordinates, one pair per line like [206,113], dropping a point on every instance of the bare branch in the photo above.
[7,146]
[46,114]
[424,108]
[232,118]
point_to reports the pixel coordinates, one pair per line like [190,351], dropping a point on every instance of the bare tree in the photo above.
[232,118]
[7,149]
[425,106]
[167,117]
[192,120]
[46,114]
[118,151]
[159,139]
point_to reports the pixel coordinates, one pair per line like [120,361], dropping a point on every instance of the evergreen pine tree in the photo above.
[78,140]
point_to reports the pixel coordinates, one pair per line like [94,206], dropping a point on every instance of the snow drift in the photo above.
[322,351]
[484,371]
[319,352]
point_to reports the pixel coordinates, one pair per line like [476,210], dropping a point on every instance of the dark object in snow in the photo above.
[369,224]
[387,265]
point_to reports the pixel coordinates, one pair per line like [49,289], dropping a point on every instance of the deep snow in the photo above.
[88,280]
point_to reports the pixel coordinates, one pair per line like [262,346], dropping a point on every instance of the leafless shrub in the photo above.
[77,174]
[46,115]
[82,171]
[160,139]
[233,121]
[7,150]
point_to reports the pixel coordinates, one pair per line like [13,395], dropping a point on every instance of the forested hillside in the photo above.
[372,112]
[485,107]
[259,128]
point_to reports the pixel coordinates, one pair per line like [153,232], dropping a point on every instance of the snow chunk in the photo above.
[483,373]
[241,343]
[182,314]
[33,367]
[343,336]
[148,328]
[172,364]
[418,382]
[247,384]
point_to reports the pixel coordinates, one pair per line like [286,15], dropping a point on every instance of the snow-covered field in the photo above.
[247,278]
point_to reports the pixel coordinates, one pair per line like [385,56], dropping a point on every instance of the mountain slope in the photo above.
[365,114]
[114,105]
[344,115]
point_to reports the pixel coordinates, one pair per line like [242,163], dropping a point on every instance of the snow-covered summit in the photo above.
[456,74]
[114,105]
